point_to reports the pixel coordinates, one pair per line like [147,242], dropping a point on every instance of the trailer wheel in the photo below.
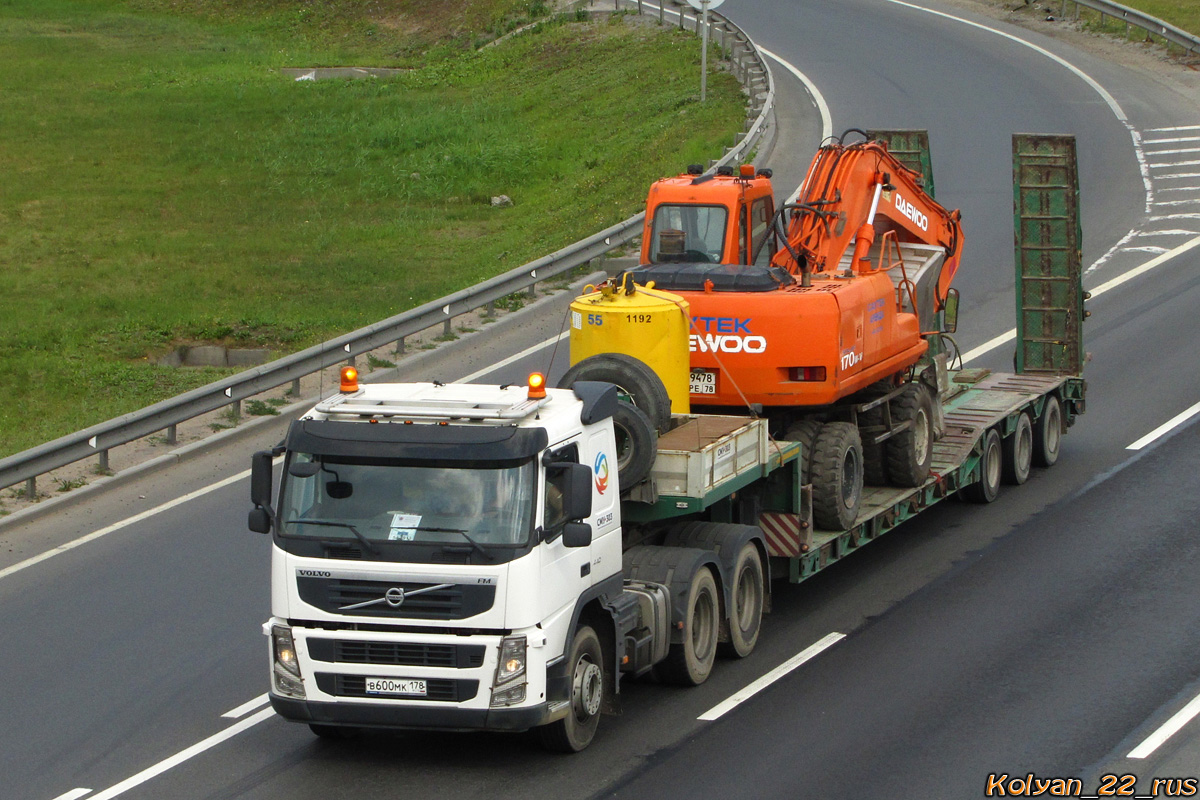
[837,476]
[690,662]
[911,452]
[987,487]
[576,730]
[1047,434]
[1018,452]
[637,444]
[805,432]
[745,617]
[632,377]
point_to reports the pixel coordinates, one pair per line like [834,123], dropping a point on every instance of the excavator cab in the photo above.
[720,218]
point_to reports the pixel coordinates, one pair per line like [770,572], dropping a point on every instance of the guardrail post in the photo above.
[295,387]
[102,467]
[173,432]
[662,11]
[446,328]
[31,489]
[400,346]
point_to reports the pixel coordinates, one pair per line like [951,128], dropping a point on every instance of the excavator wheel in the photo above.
[875,468]
[837,476]
[910,452]
[805,432]
[632,377]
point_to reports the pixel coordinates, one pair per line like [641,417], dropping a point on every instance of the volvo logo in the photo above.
[395,595]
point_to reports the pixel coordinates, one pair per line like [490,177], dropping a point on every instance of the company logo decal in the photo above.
[725,335]
[601,470]
[909,210]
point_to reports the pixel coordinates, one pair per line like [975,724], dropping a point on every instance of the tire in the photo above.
[637,445]
[837,476]
[575,731]
[987,487]
[1047,434]
[805,432]
[632,377]
[910,452]
[749,593]
[1018,452]
[690,662]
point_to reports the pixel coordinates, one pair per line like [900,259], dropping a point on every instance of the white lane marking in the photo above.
[246,707]
[1176,128]
[1146,249]
[1171,152]
[1171,141]
[1168,232]
[1175,164]
[528,351]
[1176,188]
[1168,426]
[1168,729]
[1157,261]
[1111,101]
[1191,202]
[1180,175]
[74,794]
[184,755]
[766,680]
[116,526]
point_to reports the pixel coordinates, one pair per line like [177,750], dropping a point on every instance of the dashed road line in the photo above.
[1167,730]
[1168,426]
[736,699]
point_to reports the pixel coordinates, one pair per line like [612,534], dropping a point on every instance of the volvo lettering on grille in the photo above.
[395,596]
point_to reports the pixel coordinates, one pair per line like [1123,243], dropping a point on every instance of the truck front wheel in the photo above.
[575,731]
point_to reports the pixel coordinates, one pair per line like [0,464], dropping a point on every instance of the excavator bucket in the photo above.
[1048,258]
[911,148]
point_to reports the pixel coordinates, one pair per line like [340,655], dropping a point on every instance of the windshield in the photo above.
[684,233]
[387,502]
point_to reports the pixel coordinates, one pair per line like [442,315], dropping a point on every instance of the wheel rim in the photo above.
[921,436]
[993,465]
[704,626]
[850,470]
[624,444]
[1053,430]
[748,599]
[1024,450]
[587,689]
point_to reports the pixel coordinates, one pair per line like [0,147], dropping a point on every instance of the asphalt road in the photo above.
[1049,632]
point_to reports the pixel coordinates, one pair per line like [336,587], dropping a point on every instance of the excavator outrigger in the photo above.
[818,314]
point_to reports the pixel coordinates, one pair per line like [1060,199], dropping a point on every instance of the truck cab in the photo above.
[433,549]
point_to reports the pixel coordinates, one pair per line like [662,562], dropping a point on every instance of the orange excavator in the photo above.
[817,314]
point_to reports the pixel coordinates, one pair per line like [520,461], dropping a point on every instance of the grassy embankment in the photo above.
[164,184]
[1183,14]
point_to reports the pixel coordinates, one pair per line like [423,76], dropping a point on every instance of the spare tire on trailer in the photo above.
[632,377]
[637,445]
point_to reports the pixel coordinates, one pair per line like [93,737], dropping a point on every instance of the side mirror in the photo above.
[577,499]
[576,534]
[260,520]
[260,478]
[950,312]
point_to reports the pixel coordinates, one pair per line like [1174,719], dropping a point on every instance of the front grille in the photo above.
[458,601]
[445,690]
[404,654]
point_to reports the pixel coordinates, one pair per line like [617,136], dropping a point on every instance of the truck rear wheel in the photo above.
[690,662]
[910,452]
[987,487]
[749,591]
[632,377]
[837,476]
[576,730]
[1047,434]
[1018,452]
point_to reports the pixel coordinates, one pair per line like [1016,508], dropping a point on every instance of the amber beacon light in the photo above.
[537,386]
[349,380]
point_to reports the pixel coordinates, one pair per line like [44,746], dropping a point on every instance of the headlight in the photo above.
[512,659]
[286,667]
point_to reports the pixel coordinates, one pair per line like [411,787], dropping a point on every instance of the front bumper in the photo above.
[361,715]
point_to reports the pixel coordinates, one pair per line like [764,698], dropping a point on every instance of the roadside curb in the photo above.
[409,363]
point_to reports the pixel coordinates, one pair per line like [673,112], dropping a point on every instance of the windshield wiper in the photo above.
[331,524]
[474,544]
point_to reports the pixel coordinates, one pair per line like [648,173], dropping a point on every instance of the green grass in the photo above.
[1183,14]
[164,184]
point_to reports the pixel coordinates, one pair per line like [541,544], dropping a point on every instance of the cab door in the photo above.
[565,572]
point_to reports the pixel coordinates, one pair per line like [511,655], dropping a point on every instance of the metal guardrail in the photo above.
[747,64]
[1131,16]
